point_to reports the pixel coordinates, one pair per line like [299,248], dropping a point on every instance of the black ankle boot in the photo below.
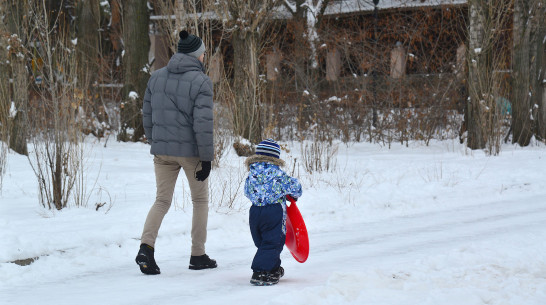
[145,259]
[202,262]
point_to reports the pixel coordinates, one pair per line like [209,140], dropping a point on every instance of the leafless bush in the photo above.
[83,190]
[56,156]
[318,156]
[225,191]
[222,134]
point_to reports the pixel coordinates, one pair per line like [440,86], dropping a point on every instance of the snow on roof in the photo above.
[353,6]
[336,7]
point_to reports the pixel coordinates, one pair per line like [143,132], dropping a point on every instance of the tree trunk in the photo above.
[476,68]
[135,64]
[88,26]
[137,44]
[306,16]
[19,127]
[538,99]
[246,85]
[522,122]
[246,19]
[57,179]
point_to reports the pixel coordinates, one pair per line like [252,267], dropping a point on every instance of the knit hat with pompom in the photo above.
[190,44]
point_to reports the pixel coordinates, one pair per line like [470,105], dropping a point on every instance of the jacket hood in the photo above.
[263,173]
[261,158]
[182,63]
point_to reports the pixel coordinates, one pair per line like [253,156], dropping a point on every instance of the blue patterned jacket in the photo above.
[267,183]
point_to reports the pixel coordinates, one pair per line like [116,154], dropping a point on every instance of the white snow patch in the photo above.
[133,95]
[12,110]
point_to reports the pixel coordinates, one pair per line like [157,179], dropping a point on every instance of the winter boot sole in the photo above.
[201,267]
[263,283]
[142,261]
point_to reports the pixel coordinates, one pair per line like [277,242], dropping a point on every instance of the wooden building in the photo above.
[403,52]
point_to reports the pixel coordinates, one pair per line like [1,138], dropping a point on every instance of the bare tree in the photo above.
[304,61]
[5,101]
[136,42]
[88,43]
[528,70]
[308,14]
[14,82]
[487,21]
[246,20]
[15,24]
[540,77]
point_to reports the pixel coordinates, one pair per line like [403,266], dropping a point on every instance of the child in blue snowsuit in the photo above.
[267,186]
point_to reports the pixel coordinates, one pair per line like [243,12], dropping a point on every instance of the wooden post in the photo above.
[398,61]
[216,68]
[273,65]
[461,58]
[333,64]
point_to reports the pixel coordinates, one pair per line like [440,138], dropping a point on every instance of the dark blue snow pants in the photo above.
[266,229]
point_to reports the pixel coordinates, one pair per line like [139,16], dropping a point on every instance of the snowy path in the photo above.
[401,226]
[432,230]
[351,263]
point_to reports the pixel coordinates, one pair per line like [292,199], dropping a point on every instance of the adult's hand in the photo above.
[204,173]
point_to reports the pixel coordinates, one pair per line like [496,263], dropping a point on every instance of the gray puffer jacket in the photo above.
[178,110]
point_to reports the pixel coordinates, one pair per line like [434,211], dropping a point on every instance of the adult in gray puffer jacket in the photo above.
[178,122]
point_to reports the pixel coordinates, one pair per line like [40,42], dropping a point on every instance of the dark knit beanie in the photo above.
[269,147]
[190,44]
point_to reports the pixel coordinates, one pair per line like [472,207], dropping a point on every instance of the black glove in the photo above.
[203,174]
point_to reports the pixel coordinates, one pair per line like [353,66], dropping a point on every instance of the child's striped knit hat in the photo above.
[269,147]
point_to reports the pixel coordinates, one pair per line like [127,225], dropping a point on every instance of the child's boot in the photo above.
[278,273]
[263,278]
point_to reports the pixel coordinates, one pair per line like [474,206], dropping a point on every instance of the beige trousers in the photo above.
[166,173]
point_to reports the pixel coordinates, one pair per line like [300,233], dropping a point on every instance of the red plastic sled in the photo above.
[297,240]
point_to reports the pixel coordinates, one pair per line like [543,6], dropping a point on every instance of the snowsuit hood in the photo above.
[268,184]
[261,158]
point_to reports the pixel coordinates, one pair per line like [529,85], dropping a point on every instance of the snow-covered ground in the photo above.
[406,225]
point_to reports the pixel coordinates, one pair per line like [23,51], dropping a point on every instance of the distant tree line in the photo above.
[288,69]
